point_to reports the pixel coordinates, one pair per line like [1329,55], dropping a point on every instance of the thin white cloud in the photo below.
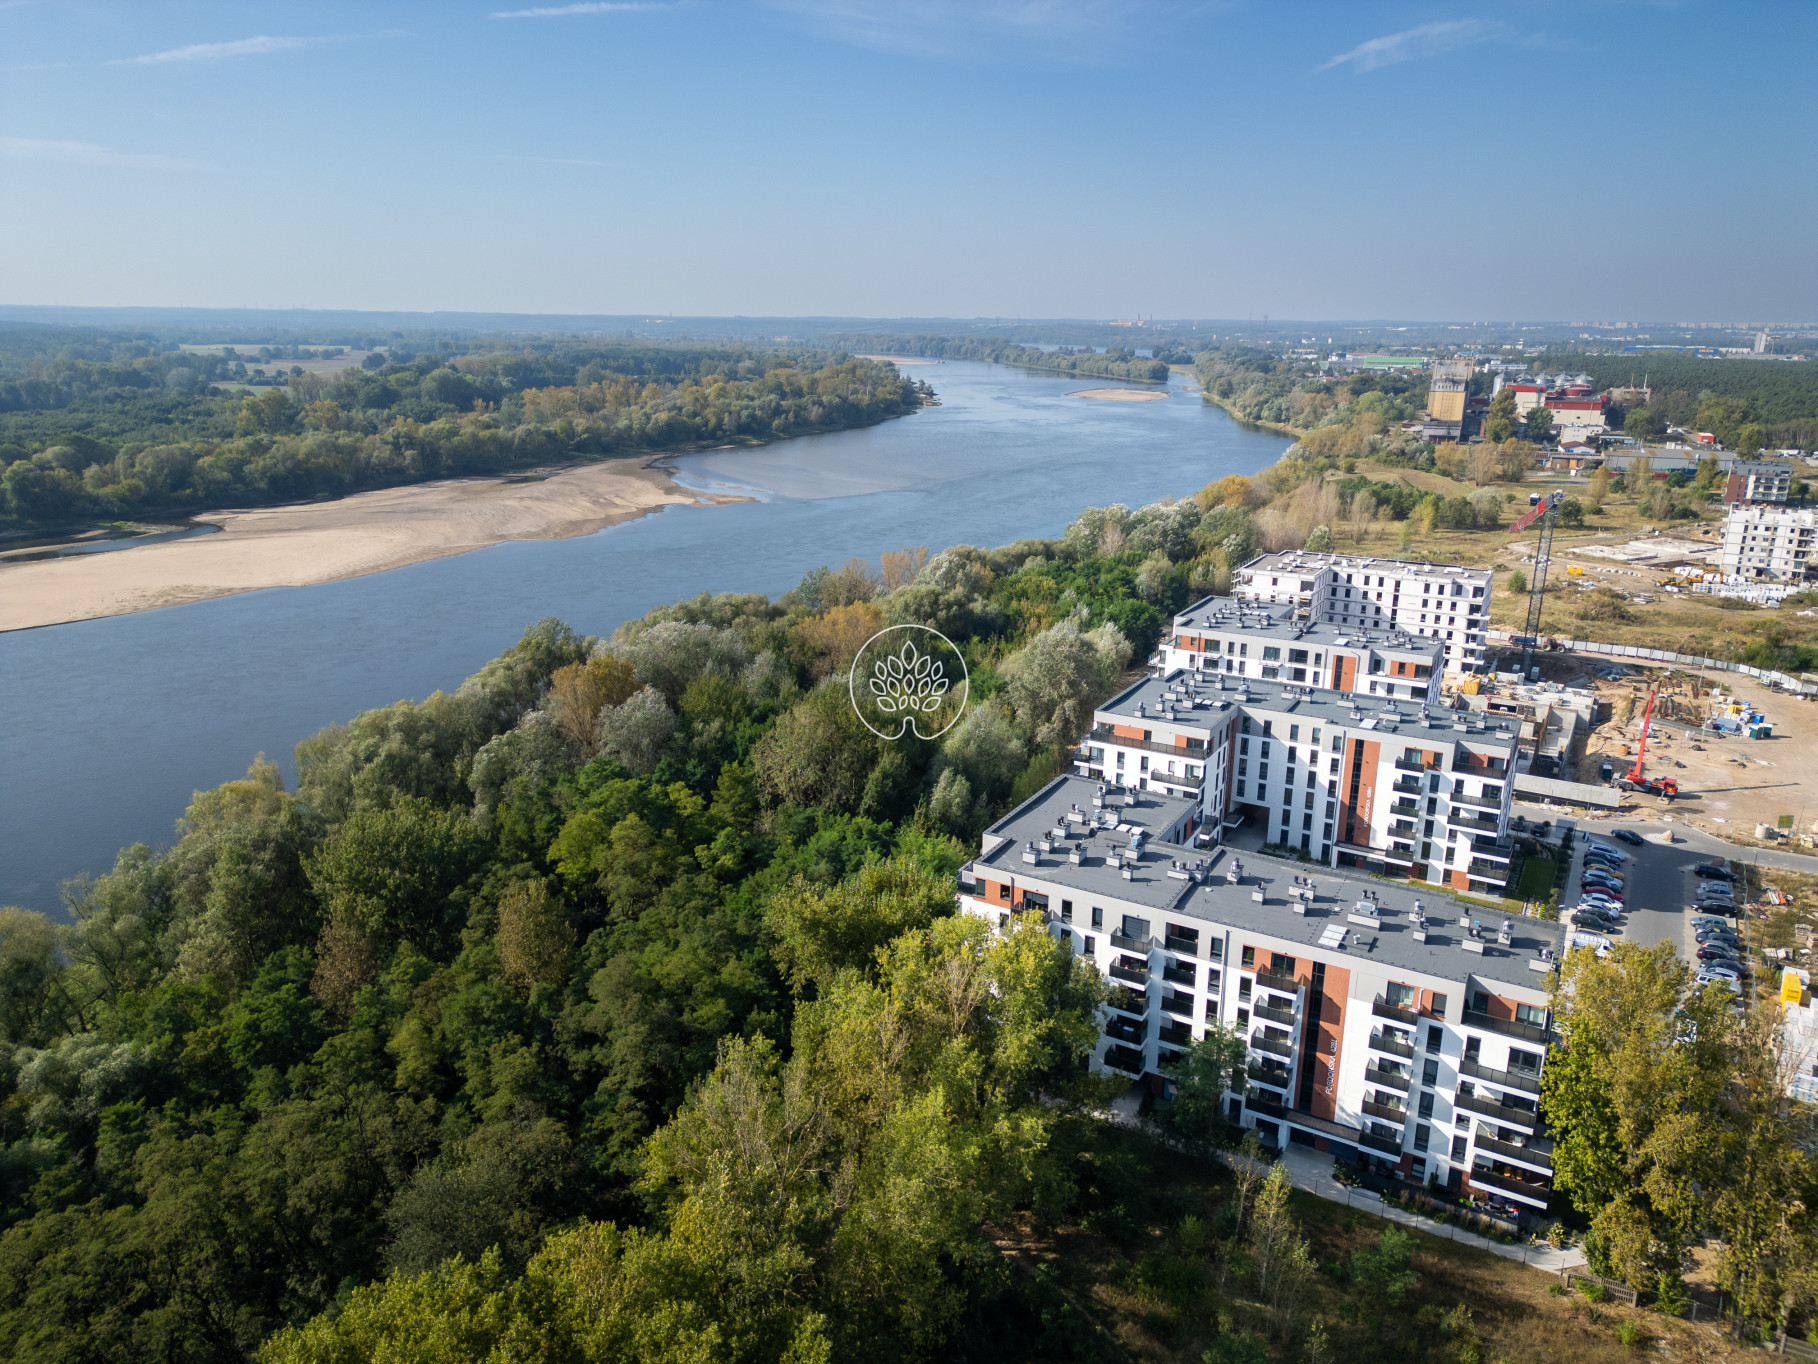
[262,45]
[1427,40]
[562,11]
[87,154]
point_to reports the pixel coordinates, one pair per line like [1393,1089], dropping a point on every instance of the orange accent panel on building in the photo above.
[1331,1040]
[1347,673]
[1127,732]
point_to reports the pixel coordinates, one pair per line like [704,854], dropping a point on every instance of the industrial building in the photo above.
[1446,400]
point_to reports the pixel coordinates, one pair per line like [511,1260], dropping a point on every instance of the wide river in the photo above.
[110,724]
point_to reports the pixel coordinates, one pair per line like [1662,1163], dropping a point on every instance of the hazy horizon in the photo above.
[851,159]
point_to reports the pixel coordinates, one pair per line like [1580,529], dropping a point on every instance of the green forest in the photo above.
[1720,396]
[99,427]
[1115,362]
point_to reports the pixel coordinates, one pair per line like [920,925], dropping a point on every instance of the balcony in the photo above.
[1387,1112]
[1268,980]
[1404,765]
[1397,1012]
[1388,1079]
[1125,1060]
[1195,749]
[1389,1146]
[1187,947]
[1387,1042]
[1124,969]
[1508,1027]
[1537,1153]
[1259,1101]
[1181,1005]
[1410,808]
[1175,1035]
[1533,1191]
[1466,819]
[1130,1001]
[1490,871]
[1130,944]
[1409,785]
[1402,828]
[1503,1113]
[1126,1030]
[1489,847]
[1263,1042]
[1177,974]
[1268,1075]
[1281,1017]
[1509,1079]
[1481,802]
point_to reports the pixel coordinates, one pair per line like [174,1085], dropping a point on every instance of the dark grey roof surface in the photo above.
[1390,943]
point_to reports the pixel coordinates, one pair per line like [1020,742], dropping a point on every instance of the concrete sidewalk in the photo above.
[1311,1171]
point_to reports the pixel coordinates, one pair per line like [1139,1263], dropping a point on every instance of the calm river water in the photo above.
[109,725]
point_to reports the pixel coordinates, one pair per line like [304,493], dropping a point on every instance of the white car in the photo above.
[1709,972]
[1707,978]
[1605,850]
[1595,941]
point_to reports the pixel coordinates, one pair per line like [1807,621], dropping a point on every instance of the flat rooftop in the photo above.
[1213,900]
[1299,561]
[1233,613]
[1195,695]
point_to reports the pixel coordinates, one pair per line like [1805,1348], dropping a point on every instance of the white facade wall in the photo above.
[1774,543]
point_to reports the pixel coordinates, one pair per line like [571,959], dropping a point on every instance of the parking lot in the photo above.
[1659,884]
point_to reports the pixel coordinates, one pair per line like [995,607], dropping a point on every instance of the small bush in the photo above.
[1557,1236]
[1558,1290]
[1594,1292]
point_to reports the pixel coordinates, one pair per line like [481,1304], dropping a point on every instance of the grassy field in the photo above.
[1150,1276]
[1680,622]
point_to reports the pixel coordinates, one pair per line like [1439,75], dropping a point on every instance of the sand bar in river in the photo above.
[319,542]
[1121,395]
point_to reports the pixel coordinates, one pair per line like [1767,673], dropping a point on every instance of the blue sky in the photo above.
[1574,161]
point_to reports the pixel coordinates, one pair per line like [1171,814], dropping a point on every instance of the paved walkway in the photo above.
[1311,1171]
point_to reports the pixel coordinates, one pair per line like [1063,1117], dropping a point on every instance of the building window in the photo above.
[1066,911]
[1458,1147]
[1433,1040]
[1098,917]
[1249,959]
[1087,951]
[1423,1136]
[1003,892]
[1429,1073]
[1438,1009]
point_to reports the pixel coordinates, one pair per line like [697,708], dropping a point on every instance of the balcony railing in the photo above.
[1176,974]
[1533,1190]
[1130,944]
[1130,1001]
[1481,802]
[1187,947]
[1508,1027]
[1268,980]
[1538,1154]
[1389,1146]
[1490,871]
[1489,847]
[1387,1112]
[1399,1012]
[1411,785]
[1465,819]
[1405,807]
[1178,1004]
[1388,1079]
[1268,1075]
[1503,1113]
[1402,828]
[1404,765]
[1123,1058]
[1508,1079]
[1263,1102]
[1263,1042]
[1103,734]
[1136,975]
[1283,1017]
[1175,1035]
[1126,1030]
[1386,1042]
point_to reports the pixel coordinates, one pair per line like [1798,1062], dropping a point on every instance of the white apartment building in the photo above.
[1771,543]
[1384,1023]
[1395,787]
[1247,639]
[1441,601]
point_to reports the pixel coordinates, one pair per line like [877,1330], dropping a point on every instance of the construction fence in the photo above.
[1771,676]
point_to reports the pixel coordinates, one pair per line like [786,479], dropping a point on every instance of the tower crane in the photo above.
[1544,513]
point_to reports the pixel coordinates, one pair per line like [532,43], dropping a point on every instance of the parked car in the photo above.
[1613,883]
[1714,870]
[1725,899]
[1595,941]
[1628,836]
[1721,937]
[1717,952]
[1709,921]
[1709,977]
[1613,897]
[1592,845]
[1608,864]
[1718,971]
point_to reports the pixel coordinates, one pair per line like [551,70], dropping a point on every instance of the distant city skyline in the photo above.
[854,159]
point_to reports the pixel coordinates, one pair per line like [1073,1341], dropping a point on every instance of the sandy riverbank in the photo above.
[323,541]
[1121,395]
[900,359]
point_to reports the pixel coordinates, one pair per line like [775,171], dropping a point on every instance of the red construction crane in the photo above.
[1636,779]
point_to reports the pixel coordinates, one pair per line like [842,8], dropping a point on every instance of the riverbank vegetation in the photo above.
[143,431]
[1115,362]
